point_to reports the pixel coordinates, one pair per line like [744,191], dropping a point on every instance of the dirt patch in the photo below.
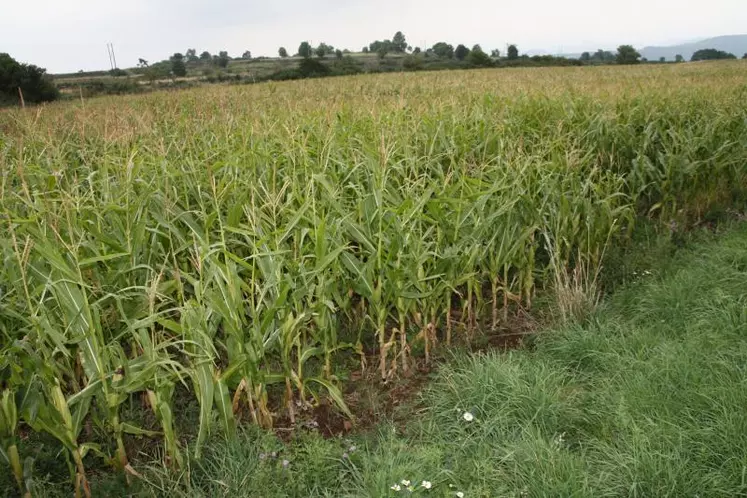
[371,401]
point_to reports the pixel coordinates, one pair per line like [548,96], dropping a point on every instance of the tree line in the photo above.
[36,86]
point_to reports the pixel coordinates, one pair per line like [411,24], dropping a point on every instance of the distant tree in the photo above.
[338,54]
[324,49]
[365,50]
[282,52]
[142,63]
[399,44]
[461,52]
[223,59]
[158,71]
[177,65]
[443,50]
[379,44]
[679,58]
[205,56]
[192,55]
[711,54]
[662,59]
[513,52]
[33,81]
[495,53]
[626,54]
[416,50]
[304,50]
[744,56]
[383,51]
[247,55]
[586,57]
[603,56]
[478,57]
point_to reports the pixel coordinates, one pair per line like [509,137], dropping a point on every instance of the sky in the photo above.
[70,35]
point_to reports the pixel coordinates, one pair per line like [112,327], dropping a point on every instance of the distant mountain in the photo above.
[735,44]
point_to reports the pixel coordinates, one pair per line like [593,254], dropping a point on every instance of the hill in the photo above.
[735,44]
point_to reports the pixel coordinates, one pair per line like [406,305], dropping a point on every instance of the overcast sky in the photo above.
[68,35]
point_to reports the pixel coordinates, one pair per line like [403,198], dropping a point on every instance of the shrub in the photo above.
[33,81]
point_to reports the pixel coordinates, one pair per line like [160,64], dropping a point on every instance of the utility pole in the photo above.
[109,53]
[114,57]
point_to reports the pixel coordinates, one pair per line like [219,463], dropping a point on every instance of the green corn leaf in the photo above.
[225,409]
[334,393]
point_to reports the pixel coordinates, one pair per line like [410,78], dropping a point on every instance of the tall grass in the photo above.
[237,241]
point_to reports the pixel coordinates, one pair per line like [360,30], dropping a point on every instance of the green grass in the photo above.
[646,398]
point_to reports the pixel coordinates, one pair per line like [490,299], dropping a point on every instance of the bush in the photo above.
[33,81]
[310,68]
[412,63]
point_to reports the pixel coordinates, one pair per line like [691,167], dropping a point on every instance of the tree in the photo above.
[223,59]
[744,56]
[416,51]
[177,65]
[662,59]
[443,50]
[324,49]
[603,56]
[383,51]
[513,52]
[158,71]
[338,54]
[495,53]
[711,54]
[142,63]
[586,57]
[205,56]
[378,45]
[461,52]
[192,55]
[247,55]
[33,81]
[304,50]
[477,57]
[365,50]
[399,44]
[282,52]
[626,54]
[679,58]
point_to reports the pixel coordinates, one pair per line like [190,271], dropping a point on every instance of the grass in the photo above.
[645,398]
[242,246]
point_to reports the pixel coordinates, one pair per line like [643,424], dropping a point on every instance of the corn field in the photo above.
[235,243]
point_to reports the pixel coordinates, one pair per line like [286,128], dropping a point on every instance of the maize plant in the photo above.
[235,247]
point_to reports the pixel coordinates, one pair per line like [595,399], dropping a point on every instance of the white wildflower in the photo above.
[468,417]
[459,494]
[396,487]
[426,484]
[405,482]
